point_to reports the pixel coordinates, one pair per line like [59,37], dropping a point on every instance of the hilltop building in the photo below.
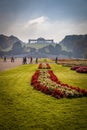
[41,40]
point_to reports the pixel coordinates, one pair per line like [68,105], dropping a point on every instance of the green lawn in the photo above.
[39,45]
[23,108]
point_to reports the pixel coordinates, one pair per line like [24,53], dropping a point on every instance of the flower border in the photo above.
[44,66]
[47,82]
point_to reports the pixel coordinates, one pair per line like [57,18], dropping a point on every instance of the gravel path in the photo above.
[8,64]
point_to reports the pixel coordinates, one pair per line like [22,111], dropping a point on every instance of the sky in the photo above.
[50,19]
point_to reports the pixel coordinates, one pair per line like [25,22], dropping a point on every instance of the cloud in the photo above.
[39,20]
[44,27]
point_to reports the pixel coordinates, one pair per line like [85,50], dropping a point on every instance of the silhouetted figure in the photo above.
[12,59]
[1,57]
[24,60]
[56,60]
[36,60]
[5,59]
[31,59]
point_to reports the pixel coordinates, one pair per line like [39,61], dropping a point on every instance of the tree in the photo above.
[17,48]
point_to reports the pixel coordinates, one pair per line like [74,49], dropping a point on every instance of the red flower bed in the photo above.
[47,82]
[54,78]
[44,66]
[75,67]
[80,69]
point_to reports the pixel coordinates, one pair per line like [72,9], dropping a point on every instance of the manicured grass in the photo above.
[70,77]
[23,108]
[39,45]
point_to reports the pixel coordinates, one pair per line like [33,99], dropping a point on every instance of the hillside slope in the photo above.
[7,41]
[77,44]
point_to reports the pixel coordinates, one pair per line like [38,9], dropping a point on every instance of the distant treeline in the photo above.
[73,46]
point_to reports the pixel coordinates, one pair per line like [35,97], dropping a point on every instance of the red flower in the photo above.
[63,90]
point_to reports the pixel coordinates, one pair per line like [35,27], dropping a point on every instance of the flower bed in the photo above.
[46,81]
[44,66]
[80,69]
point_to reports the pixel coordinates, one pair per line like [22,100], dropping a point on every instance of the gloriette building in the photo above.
[41,40]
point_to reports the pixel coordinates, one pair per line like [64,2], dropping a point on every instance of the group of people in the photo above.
[31,60]
[5,59]
[25,60]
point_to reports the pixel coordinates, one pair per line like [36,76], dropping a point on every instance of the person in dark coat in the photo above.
[56,60]
[36,60]
[5,59]
[24,60]
[12,59]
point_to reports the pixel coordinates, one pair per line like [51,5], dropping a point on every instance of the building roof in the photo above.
[40,39]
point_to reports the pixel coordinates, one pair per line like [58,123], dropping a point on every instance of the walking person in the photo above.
[36,60]
[12,59]
[31,59]
[56,60]
[5,59]
[24,60]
